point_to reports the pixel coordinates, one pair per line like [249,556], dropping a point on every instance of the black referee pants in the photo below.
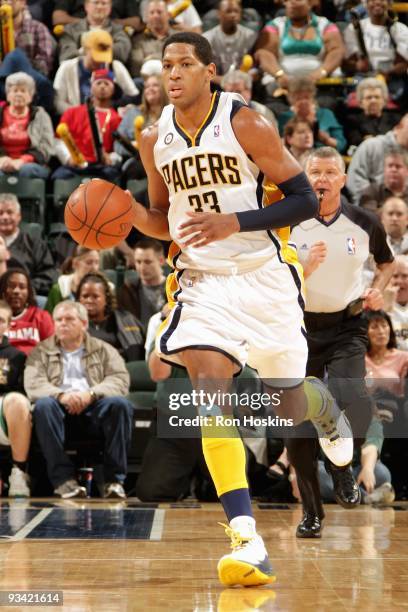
[337,347]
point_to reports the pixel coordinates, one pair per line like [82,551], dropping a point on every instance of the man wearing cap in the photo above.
[97,17]
[72,82]
[104,162]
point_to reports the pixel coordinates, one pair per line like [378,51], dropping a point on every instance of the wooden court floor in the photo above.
[361,562]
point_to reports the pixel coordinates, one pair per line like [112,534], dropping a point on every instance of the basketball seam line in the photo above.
[100,209]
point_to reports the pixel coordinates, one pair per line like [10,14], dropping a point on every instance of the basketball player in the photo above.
[236,290]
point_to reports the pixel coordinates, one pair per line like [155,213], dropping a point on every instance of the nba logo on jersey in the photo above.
[216,130]
[351,246]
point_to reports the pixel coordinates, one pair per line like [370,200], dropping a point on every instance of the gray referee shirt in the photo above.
[351,236]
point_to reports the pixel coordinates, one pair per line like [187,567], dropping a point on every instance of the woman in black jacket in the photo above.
[119,328]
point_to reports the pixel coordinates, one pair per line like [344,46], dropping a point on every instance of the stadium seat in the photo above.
[34,230]
[62,190]
[142,388]
[31,195]
[137,186]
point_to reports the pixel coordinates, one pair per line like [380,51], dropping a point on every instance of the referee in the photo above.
[332,249]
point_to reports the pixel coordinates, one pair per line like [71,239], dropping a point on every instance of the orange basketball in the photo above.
[99,214]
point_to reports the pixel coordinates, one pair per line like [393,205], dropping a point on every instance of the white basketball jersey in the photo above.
[211,172]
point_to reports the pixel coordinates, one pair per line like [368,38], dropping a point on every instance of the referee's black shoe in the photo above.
[346,490]
[310,526]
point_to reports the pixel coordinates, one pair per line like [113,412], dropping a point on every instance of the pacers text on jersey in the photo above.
[200,170]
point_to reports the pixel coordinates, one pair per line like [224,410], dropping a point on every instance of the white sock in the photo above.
[244,525]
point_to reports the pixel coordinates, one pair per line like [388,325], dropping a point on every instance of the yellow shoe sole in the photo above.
[232,572]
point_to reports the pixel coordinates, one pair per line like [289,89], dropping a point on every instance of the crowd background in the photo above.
[78,82]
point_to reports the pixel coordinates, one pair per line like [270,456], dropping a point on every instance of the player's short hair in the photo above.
[150,243]
[79,309]
[5,306]
[202,47]
[326,153]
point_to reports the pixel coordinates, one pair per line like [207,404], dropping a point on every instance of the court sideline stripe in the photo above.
[157,525]
[23,533]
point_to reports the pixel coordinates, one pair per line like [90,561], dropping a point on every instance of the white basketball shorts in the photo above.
[254,318]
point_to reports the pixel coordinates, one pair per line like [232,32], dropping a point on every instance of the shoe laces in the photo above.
[329,427]
[237,541]
[348,477]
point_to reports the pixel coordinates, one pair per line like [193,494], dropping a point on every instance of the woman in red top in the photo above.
[29,324]
[26,132]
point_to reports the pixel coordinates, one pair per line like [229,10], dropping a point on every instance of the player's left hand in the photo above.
[373,299]
[203,228]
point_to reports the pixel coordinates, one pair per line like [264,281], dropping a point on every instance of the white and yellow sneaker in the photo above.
[248,563]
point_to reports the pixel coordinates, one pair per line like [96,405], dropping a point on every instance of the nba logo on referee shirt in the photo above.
[351,246]
[216,130]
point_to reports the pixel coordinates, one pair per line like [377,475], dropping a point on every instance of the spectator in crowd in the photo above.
[72,81]
[241,82]
[146,295]
[103,162]
[378,44]
[118,327]
[370,119]
[367,163]
[72,376]
[82,261]
[302,98]
[300,44]
[187,20]
[26,132]
[371,474]
[387,366]
[394,183]
[15,411]
[230,40]
[29,324]
[149,44]
[394,217]
[153,101]
[34,53]
[124,12]
[396,301]
[32,38]
[298,137]
[32,255]
[97,17]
